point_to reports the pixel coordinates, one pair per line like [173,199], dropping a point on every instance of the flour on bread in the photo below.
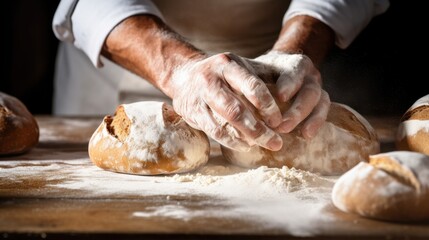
[148,138]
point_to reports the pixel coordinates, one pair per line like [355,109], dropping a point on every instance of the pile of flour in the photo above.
[256,183]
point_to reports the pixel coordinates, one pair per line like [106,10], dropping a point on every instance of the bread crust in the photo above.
[147,138]
[393,186]
[19,131]
[413,130]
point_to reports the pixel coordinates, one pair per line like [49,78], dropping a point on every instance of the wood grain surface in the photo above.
[32,206]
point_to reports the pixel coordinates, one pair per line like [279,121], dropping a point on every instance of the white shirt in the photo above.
[88,84]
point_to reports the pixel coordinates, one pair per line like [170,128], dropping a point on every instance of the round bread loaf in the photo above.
[413,131]
[147,138]
[344,140]
[393,186]
[19,131]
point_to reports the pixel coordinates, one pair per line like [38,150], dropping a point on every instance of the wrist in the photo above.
[176,77]
[306,35]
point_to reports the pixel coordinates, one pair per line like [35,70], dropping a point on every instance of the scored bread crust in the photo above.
[344,140]
[393,186]
[413,130]
[147,138]
[19,131]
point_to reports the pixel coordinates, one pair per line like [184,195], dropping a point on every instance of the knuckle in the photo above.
[295,113]
[301,65]
[253,84]
[259,131]
[312,83]
[223,58]
[234,111]
[313,91]
[305,61]
[270,106]
[325,97]
[217,133]
[315,74]
[265,102]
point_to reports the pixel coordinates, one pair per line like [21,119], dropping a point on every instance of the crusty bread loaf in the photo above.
[413,130]
[343,141]
[393,186]
[147,138]
[19,131]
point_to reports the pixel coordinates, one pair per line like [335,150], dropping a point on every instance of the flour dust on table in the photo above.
[278,198]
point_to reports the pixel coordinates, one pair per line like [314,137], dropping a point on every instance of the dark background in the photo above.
[382,73]
[29,49]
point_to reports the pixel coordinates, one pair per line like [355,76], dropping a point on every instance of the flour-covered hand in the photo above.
[300,82]
[208,93]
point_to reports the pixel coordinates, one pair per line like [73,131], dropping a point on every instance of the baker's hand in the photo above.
[299,81]
[208,93]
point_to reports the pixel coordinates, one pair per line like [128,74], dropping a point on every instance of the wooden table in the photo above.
[32,205]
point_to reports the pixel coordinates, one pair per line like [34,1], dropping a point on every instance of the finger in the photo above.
[288,85]
[255,91]
[232,110]
[219,131]
[317,118]
[304,102]
[294,71]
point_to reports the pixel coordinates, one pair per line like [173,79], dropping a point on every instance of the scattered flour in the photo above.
[171,211]
[282,199]
[49,129]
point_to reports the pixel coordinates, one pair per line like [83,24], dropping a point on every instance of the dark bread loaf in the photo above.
[19,131]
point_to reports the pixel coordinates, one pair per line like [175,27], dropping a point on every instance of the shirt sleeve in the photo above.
[87,23]
[346,17]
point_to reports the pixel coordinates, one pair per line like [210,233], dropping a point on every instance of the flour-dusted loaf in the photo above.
[19,131]
[343,141]
[393,186]
[413,130]
[147,138]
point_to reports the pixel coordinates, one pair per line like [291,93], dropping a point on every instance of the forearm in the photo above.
[306,35]
[144,45]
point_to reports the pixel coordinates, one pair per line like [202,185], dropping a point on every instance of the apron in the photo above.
[245,27]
